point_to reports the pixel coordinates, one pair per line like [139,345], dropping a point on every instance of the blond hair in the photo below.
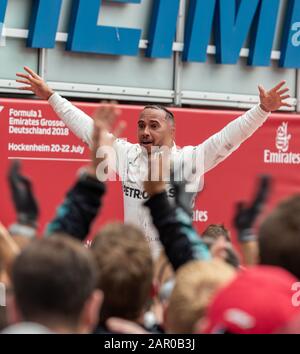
[196,284]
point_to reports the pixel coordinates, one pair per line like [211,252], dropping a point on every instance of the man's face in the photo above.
[154,129]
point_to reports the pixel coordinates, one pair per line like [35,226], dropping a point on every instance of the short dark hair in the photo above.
[214,231]
[279,237]
[52,279]
[169,114]
[125,271]
[212,234]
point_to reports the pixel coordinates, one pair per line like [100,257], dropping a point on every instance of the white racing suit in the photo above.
[131,159]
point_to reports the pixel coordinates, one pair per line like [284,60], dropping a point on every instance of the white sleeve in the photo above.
[218,147]
[76,120]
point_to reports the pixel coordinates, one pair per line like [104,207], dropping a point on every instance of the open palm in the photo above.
[34,83]
[275,98]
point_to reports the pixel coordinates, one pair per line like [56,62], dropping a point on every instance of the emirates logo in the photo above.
[282,156]
[283,138]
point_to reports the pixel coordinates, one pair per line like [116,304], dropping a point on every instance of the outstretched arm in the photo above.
[180,240]
[76,120]
[176,232]
[221,145]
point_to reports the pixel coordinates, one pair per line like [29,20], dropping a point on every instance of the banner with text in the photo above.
[51,156]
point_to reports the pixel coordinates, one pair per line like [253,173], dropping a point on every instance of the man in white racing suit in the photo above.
[156,128]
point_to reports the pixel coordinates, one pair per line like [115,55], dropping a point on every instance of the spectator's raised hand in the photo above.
[246,215]
[25,203]
[106,130]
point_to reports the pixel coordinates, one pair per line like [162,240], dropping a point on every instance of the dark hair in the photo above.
[211,235]
[279,237]
[169,114]
[52,279]
[125,271]
[214,231]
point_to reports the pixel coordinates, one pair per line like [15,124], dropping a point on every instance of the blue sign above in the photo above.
[231,22]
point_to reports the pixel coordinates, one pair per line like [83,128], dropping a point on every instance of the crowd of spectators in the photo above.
[200,283]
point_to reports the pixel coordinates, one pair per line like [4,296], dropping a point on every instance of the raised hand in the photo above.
[104,134]
[105,118]
[25,203]
[275,98]
[34,83]
[246,215]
